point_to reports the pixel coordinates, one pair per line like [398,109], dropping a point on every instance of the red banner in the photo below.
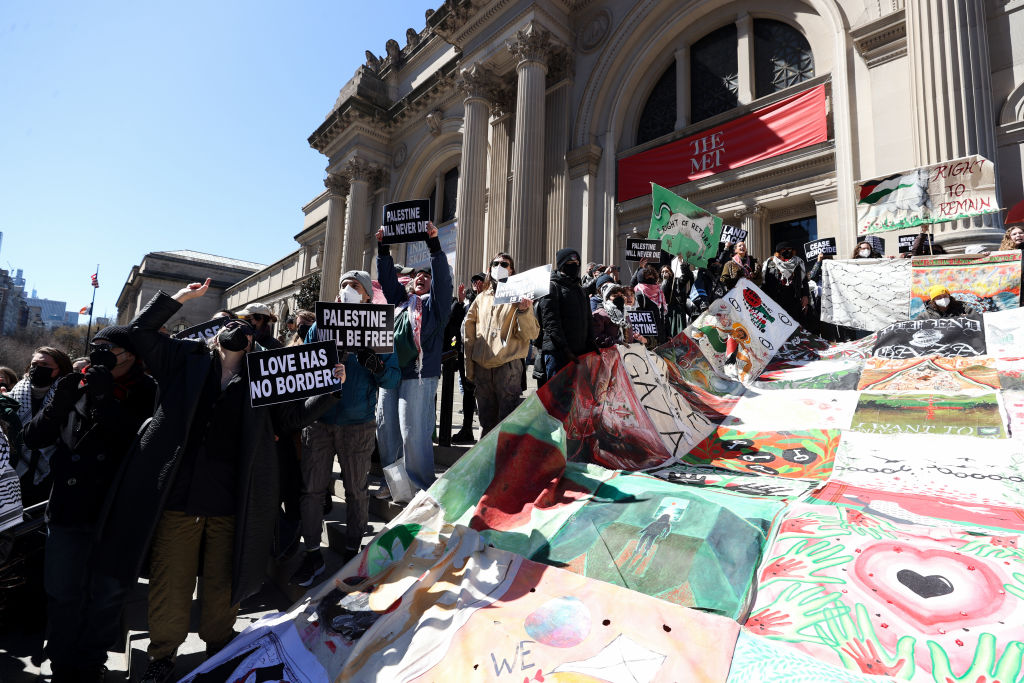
[795,122]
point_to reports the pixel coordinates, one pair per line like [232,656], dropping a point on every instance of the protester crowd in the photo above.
[153,460]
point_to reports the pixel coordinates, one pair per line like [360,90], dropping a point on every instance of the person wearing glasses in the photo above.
[262,319]
[90,421]
[202,475]
[496,342]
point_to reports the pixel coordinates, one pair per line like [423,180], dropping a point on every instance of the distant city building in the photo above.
[71,318]
[12,303]
[170,271]
[100,323]
[51,313]
[19,278]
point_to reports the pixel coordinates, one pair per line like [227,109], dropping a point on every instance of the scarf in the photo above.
[788,269]
[742,263]
[22,392]
[10,489]
[654,293]
[619,318]
[416,318]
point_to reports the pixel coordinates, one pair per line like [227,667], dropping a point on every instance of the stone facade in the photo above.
[536,101]
[170,271]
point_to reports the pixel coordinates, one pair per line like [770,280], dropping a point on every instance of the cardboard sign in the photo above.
[292,373]
[906,243]
[406,221]
[531,284]
[644,323]
[638,249]
[356,326]
[823,246]
[733,234]
[203,331]
[877,243]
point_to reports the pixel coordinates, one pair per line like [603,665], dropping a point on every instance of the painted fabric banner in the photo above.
[758,325]
[867,294]
[817,374]
[806,454]
[930,373]
[982,283]
[954,337]
[933,194]
[918,604]
[793,410]
[944,414]
[787,125]
[1004,333]
[684,228]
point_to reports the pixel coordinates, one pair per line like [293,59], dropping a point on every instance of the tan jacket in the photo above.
[495,335]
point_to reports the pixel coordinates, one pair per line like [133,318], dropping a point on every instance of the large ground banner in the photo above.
[982,282]
[956,189]
[866,294]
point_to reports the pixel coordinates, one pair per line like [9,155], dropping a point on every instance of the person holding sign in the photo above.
[216,491]
[405,416]
[611,326]
[497,340]
[347,431]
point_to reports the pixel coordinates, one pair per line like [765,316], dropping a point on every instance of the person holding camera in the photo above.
[91,422]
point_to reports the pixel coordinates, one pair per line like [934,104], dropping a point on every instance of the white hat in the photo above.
[257,309]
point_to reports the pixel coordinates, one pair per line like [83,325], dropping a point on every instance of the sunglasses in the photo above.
[258,317]
[239,323]
[101,347]
[503,264]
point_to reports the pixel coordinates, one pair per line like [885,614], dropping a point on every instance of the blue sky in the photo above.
[127,128]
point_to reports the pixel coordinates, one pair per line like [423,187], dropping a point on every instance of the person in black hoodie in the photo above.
[565,318]
[91,421]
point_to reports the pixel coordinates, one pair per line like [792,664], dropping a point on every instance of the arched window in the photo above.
[659,115]
[448,186]
[782,56]
[714,74]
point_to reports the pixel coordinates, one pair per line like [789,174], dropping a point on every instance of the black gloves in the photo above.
[98,381]
[66,393]
[370,360]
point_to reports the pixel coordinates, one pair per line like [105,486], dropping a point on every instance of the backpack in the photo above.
[405,342]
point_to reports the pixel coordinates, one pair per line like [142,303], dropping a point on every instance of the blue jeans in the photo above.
[83,607]
[416,418]
[389,436]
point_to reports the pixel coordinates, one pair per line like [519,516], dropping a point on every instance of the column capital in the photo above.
[337,184]
[753,211]
[477,81]
[358,169]
[532,44]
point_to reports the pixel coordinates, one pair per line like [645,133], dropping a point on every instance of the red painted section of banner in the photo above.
[793,123]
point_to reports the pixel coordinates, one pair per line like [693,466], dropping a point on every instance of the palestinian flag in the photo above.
[877,191]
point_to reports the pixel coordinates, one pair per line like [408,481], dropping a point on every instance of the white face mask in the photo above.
[499,273]
[351,295]
[942,301]
[864,253]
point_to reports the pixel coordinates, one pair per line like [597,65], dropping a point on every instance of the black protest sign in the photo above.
[406,221]
[357,326]
[638,249]
[732,234]
[531,284]
[877,243]
[291,373]
[962,337]
[203,331]
[644,323]
[824,246]
[906,243]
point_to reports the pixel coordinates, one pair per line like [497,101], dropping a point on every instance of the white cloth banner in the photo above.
[867,294]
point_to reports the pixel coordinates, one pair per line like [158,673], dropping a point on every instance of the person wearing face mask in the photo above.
[347,431]
[941,305]
[406,415]
[785,280]
[611,324]
[262,320]
[32,393]
[216,490]
[90,422]
[676,291]
[565,318]
[865,250]
[650,297]
[303,321]
[496,339]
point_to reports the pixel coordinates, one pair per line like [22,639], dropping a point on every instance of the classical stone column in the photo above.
[496,237]
[334,238]
[753,221]
[530,49]
[477,82]
[745,58]
[951,86]
[583,200]
[360,173]
[556,144]
[682,86]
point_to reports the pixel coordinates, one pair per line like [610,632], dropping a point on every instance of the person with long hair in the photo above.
[496,339]
[1013,238]
[740,265]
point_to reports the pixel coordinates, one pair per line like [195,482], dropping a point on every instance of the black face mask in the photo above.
[233,339]
[103,358]
[40,376]
[619,303]
[571,269]
[650,280]
[301,330]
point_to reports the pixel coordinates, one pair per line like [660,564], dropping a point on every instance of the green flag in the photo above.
[684,229]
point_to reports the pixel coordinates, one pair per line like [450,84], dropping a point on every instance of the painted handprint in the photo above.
[794,612]
[765,622]
[866,656]
[1003,547]
[1014,589]
[816,554]
[985,668]
[857,645]
[782,568]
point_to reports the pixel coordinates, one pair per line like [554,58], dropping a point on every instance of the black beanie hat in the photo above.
[563,255]
[602,280]
[118,335]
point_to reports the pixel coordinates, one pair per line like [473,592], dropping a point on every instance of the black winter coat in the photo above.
[180,367]
[566,320]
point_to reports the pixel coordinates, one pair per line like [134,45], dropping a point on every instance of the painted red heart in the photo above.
[933,588]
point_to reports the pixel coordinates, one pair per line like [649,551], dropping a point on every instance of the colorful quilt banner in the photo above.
[956,189]
[981,282]
[953,337]
[866,294]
